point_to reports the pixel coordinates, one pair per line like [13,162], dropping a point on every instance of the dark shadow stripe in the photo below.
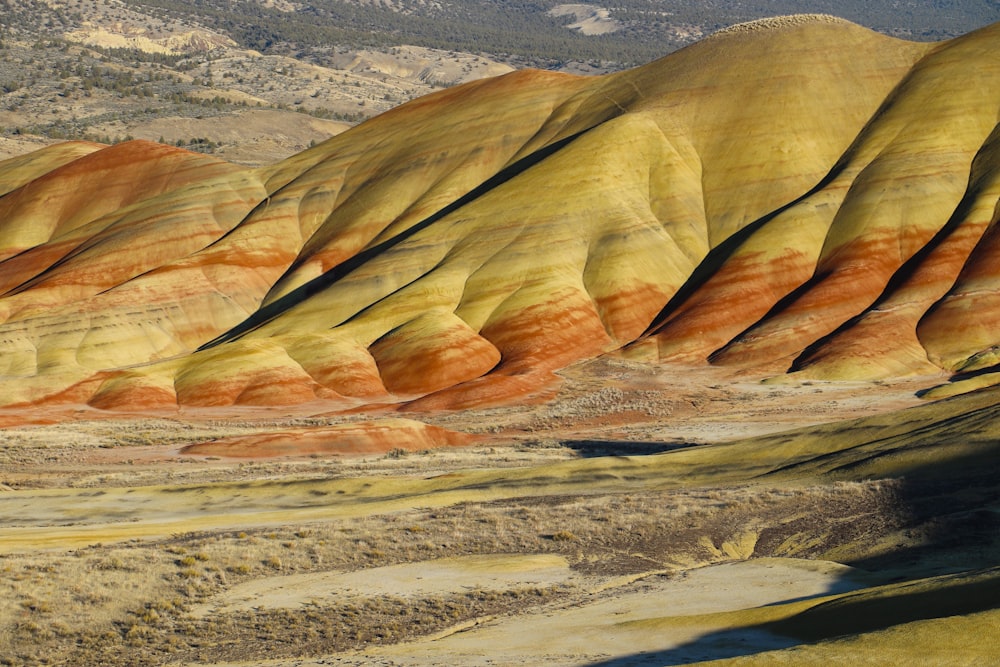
[299,294]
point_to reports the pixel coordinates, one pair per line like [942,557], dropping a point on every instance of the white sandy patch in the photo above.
[437,577]
[642,624]
[590,19]
[613,629]
[126,37]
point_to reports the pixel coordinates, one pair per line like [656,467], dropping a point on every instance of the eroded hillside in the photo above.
[796,194]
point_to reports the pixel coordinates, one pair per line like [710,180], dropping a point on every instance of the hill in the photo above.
[402,260]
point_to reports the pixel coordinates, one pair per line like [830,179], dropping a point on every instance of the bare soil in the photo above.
[118,549]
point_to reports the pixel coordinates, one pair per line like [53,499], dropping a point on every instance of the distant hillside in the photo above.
[100,71]
[531,33]
[107,70]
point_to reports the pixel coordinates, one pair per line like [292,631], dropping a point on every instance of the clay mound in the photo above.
[921,146]
[915,322]
[382,435]
[104,181]
[829,256]
[20,170]
[795,192]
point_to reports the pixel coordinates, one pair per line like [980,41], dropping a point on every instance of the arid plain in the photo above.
[689,362]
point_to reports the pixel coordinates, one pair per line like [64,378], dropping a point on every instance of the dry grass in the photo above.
[131,604]
[533,488]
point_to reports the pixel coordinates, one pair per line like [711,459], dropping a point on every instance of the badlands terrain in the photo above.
[690,361]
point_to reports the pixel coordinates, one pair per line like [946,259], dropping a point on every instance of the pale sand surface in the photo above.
[605,626]
[444,575]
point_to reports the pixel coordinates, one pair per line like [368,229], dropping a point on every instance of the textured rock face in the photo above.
[800,191]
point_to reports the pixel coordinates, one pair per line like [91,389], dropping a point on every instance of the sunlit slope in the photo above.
[825,258]
[741,199]
[17,171]
[564,248]
[885,340]
[89,286]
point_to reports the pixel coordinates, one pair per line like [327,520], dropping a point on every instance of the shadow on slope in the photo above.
[337,273]
[941,559]
[599,448]
[863,615]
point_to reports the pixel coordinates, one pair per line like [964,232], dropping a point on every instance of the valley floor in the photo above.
[635,516]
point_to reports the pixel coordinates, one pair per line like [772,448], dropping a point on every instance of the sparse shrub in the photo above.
[112,563]
[37,606]
[564,536]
